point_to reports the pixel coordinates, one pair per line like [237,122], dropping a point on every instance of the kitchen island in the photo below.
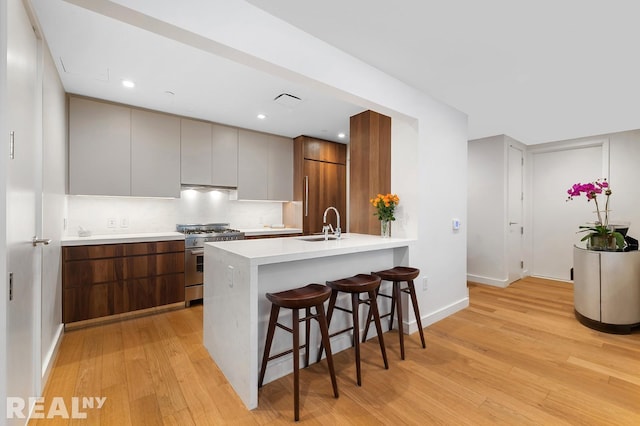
[237,275]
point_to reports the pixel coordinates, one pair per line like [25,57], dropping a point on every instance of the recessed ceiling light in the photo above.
[341,135]
[262,116]
[128,83]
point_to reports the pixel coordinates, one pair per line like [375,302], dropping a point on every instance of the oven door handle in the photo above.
[197,252]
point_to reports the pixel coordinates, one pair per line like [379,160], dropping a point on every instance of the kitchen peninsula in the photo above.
[237,275]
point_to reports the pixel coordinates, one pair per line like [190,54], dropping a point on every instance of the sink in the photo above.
[317,238]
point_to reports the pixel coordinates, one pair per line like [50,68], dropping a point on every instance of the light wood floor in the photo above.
[515,356]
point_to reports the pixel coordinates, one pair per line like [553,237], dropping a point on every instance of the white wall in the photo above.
[54,137]
[162,214]
[487,213]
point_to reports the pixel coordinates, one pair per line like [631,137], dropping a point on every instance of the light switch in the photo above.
[455,224]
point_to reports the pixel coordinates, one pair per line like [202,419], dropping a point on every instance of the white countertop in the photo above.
[277,250]
[270,231]
[121,238]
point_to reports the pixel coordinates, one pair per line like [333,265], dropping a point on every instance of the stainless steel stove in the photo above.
[195,237]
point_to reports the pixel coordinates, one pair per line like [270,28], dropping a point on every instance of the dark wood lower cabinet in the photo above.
[111,279]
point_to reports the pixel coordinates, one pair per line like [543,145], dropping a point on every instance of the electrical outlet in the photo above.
[230,275]
[124,222]
[425,287]
[112,222]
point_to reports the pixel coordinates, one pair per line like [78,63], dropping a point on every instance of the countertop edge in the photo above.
[270,231]
[121,238]
[320,251]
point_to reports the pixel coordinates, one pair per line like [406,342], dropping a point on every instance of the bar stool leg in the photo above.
[398,293]
[307,331]
[376,317]
[267,347]
[393,307]
[324,331]
[332,303]
[355,305]
[296,362]
[416,310]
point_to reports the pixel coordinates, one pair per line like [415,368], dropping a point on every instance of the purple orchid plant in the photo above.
[601,228]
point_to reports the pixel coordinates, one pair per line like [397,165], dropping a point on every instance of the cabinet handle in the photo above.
[306,196]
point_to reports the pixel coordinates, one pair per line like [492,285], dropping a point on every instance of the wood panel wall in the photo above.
[370,170]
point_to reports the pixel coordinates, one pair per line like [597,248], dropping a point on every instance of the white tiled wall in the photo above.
[161,215]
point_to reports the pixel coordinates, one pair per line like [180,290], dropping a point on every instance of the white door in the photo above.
[515,225]
[24,181]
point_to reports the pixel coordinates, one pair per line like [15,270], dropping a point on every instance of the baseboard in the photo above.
[488,280]
[433,317]
[47,362]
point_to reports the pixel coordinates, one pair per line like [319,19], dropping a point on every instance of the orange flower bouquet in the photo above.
[385,206]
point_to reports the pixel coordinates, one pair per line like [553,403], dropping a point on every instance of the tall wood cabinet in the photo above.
[370,168]
[320,181]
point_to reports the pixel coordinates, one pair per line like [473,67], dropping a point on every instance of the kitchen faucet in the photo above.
[326,228]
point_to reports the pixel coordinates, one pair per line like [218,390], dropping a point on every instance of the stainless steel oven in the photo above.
[195,237]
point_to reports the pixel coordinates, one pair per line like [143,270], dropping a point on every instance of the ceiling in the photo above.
[538,71]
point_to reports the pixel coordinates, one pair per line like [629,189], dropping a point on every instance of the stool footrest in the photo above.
[340,332]
[281,354]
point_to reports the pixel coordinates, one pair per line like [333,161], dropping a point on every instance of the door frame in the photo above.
[519,274]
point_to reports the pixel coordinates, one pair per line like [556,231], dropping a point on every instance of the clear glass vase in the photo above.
[602,242]
[385,228]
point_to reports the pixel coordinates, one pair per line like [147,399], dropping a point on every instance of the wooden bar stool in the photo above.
[356,285]
[397,275]
[312,295]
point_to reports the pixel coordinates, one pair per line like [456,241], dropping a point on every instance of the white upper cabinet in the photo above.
[155,154]
[280,172]
[209,154]
[99,148]
[195,152]
[225,156]
[117,150]
[265,167]
[253,158]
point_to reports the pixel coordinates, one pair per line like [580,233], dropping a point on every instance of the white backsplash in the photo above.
[161,215]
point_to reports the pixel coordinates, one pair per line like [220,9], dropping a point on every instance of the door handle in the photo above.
[306,195]
[35,241]
[513,223]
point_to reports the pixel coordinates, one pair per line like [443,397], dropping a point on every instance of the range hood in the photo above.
[204,188]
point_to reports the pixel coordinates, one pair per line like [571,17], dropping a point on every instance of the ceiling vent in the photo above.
[287,100]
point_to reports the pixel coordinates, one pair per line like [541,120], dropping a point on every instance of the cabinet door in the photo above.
[280,172]
[99,148]
[327,187]
[155,154]
[195,152]
[225,156]
[253,160]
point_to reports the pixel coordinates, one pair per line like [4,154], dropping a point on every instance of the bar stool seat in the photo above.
[398,275]
[356,285]
[312,295]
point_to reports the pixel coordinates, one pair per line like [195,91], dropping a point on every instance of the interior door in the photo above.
[327,184]
[515,200]
[24,181]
